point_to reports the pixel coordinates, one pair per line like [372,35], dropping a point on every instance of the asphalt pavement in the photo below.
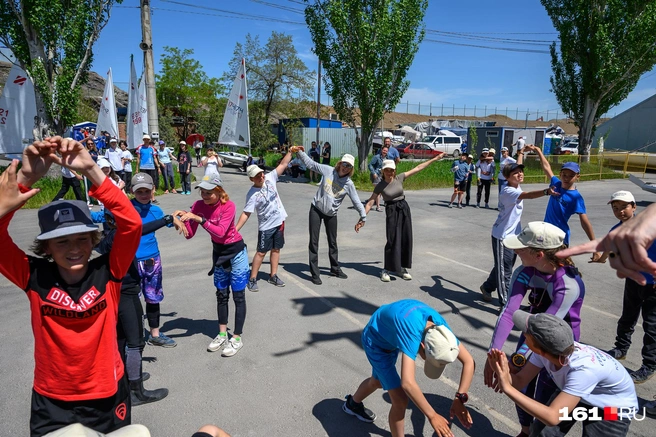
[302,351]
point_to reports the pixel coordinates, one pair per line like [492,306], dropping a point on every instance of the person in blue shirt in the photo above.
[569,201]
[392,153]
[148,162]
[463,148]
[411,328]
[375,169]
[637,298]
[149,262]
[460,170]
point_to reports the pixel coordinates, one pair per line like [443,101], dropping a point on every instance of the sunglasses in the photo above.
[346,165]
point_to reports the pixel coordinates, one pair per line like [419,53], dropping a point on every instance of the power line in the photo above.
[509,49]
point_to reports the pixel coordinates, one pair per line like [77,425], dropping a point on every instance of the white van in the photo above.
[448,144]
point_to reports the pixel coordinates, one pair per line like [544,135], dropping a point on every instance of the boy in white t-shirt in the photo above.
[587,378]
[263,198]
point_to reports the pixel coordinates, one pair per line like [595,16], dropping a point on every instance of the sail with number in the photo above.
[135,121]
[143,103]
[235,129]
[17,112]
[107,120]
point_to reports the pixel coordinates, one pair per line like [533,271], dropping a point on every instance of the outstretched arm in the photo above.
[243,218]
[546,167]
[283,165]
[422,166]
[458,409]
[587,228]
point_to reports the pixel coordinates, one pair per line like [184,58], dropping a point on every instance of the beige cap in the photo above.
[538,235]
[348,159]
[389,163]
[624,196]
[103,163]
[78,430]
[253,170]
[146,137]
[441,348]
[183,143]
[492,151]
[210,181]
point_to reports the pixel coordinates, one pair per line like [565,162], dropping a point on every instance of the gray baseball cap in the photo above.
[142,180]
[210,181]
[64,217]
[552,333]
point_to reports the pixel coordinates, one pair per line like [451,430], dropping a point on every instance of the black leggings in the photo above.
[152,314]
[239,298]
[130,334]
[485,183]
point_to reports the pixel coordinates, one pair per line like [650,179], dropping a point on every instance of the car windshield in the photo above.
[429,139]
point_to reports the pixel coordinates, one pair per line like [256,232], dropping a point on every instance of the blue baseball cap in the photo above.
[572,166]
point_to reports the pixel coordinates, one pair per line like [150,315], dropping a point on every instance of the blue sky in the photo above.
[442,74]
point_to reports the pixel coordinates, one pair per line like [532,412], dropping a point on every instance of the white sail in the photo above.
[107,115]
[143,104]
[135,121]
[235,130]
[17,112]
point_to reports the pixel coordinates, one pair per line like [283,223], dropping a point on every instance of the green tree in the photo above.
[209,122]
[366,48]
[605,46]
[53,40]
[276,76]
[184,88]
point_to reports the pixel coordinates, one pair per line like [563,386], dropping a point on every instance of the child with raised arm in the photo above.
[412,328]
[73,300]
[263,198]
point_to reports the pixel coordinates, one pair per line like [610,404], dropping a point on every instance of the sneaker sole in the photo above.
[228,355]
[277,285]
[352,413]
[209,349]
[487,296]
[163,345]
[642,381]
[254,290]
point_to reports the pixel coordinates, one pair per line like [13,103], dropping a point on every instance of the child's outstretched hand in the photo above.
[37,158]
[499,363]
[459,410]
[180,227]
[359,226]
[441,426]
[10,196]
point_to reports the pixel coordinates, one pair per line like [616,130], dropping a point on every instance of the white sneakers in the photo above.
[217,343]
[232,346]
[385,277]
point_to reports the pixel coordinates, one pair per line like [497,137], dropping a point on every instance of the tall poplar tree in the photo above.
[366,48]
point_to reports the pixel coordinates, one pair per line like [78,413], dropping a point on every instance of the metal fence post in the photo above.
[430,109]
[442,110]
[517,114]
[407,107]
[464,111]
[453,112]
[644,170]
[474,110]
[556,115]
[419,111]
[485,115]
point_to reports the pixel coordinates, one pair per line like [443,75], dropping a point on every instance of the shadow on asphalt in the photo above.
[336,423]
[471,298]
[190,326]
[302,271]
[319,337]
[481,424]
[314,306]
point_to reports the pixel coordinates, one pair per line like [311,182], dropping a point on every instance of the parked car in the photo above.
[419,151]
[571,148]
[445,144]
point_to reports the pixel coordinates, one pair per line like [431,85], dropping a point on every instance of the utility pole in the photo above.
[318,101]
[149,67]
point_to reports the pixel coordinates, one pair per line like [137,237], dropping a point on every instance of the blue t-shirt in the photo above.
[148,245]
[461,170]
[393,153]
[400,326]
[163,155]
[561,208]
[146,158]
[651,253]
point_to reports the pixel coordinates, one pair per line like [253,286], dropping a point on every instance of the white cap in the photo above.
[348,159]
[485,150]
[493,151]
[113,140]
[78,430]
[183,143]
[253,170]
[389,163]
[146,137]
[538,235]
[441,348]
[624,196]
[504,149]
[102,163]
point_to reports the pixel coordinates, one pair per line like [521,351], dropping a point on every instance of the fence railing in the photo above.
[615,165]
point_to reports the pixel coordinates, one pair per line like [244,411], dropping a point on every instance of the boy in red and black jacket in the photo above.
[79,375]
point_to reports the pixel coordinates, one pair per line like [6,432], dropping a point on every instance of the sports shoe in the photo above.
[339,273]
[156,202]
[478,205]
[487,206]
[384,276]
[405,275]
[617,354]
[460,206]
[275,280]
[450,205]
[316,280]
[650,408]
[358,410]
[232,348]
[643,374]
[218,342]
[252,285]
[187,193]
[162,340]
[487,296]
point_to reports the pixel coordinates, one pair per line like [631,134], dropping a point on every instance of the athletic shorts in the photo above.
[460,185]
[236,276]
[150,272]
[102,415]
[273,238]
[383,363]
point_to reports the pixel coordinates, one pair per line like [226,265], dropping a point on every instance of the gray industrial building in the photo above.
[633,129]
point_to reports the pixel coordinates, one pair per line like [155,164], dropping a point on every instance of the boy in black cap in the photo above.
[79,376]
[586,377]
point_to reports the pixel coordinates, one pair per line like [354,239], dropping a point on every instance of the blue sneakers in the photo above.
[162,341]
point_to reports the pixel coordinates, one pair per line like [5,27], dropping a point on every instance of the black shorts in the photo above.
[103,415]
[153,174]
[271,239]
[460,185]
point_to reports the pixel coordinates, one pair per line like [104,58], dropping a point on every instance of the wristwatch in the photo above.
[462,397]
[168,219]
[202,221]
[545,191]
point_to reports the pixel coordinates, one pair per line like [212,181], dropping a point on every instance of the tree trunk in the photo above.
[586,127]
[364,146]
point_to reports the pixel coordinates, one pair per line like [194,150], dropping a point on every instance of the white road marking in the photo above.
[587,307]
